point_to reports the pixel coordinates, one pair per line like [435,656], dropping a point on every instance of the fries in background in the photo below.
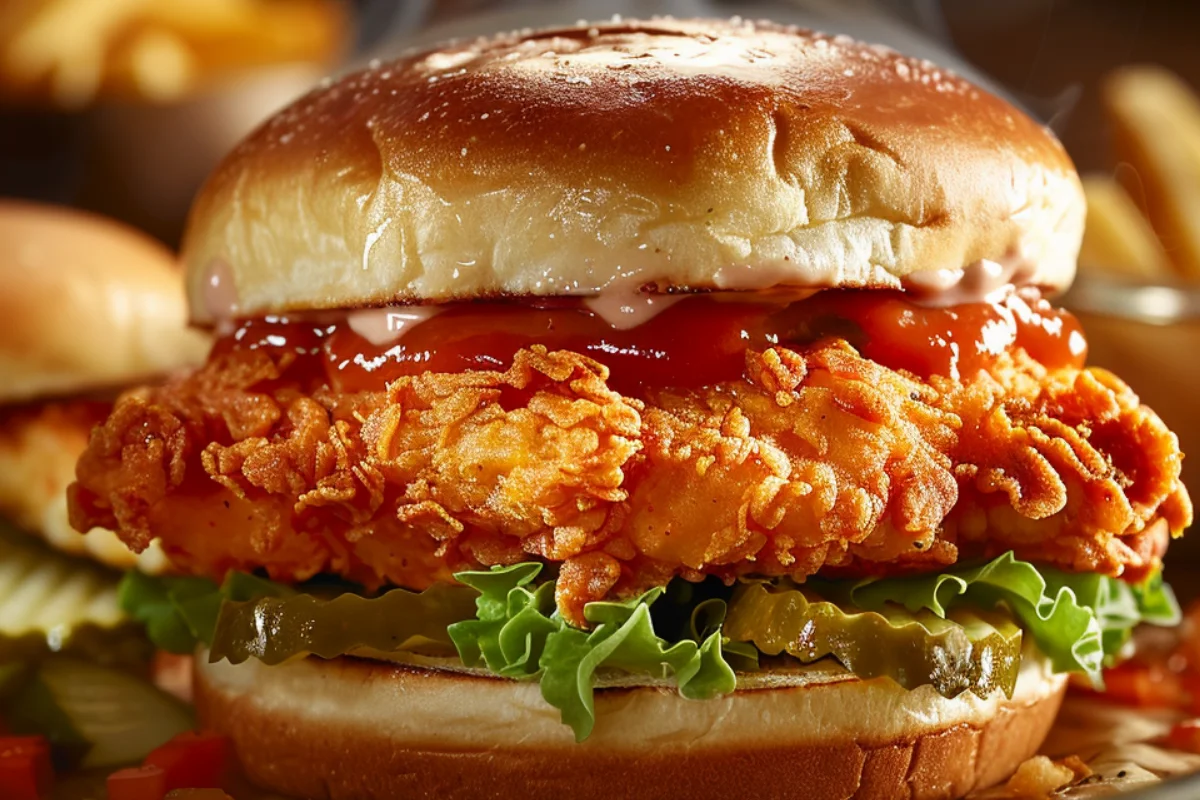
[1118,239]
[70,51]
[1145,222]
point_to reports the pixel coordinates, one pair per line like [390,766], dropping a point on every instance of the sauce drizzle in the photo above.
[698,341]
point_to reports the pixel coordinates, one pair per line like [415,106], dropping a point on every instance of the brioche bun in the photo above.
[351,728]
[87,304]
[676,154]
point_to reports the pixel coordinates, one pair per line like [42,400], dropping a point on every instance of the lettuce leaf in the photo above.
[518,633]
[1079,621]
[512,622]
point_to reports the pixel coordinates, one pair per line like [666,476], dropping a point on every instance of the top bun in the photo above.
[674,154]
[86,304]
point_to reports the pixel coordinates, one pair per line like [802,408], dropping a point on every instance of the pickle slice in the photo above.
[275,629]
[41,590]
[51,603]
[95,716]
[969,651]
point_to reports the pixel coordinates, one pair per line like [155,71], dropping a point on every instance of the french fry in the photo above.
[1117,238]
[74,50]
[1156,131]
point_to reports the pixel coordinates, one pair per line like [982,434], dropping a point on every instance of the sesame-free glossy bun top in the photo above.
[676,154]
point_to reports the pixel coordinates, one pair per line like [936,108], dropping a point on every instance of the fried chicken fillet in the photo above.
[819,460]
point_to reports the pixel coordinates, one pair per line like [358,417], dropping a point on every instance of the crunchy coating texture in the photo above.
[39,443]
[819,459]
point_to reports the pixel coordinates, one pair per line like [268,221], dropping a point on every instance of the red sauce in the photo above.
[698,341]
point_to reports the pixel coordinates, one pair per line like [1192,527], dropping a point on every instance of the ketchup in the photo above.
[699,341]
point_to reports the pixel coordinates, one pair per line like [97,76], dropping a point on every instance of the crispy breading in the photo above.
[819,459]
[39,443]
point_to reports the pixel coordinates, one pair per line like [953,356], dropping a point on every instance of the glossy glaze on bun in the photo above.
[673,154]
[351,728]
[86,303]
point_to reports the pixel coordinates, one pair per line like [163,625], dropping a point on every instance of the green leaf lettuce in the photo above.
[1079,620]
[519,634]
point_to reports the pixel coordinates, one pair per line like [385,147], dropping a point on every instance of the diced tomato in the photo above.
[138,783]
[1146,685]
[25,771]
[193,761]
[1185,736]
[1189,637]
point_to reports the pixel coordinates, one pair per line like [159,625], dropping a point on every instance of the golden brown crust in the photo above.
[820,460]
[87,303]
[701,154]
[316,748]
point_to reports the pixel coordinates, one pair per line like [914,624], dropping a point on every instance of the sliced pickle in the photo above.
[970,651]
[51,603]
[96,716]
[41,590]
[275,629]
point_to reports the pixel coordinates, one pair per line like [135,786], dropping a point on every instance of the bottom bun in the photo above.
[351,728]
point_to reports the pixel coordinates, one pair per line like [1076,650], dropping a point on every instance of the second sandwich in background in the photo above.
[88,307]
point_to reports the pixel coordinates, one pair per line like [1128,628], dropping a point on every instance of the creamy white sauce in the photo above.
[624,309]
[381,326]
[220,292]
[981,282]
[627,306]
[755,277]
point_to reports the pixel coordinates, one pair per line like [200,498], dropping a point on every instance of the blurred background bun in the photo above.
[87,304]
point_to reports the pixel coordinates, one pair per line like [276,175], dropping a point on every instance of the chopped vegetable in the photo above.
[1149,685]
[193,761]
[1185,736]
[51,603]
[25,771]
[1079,621]
[518,634]
[41,589]
[147,782]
